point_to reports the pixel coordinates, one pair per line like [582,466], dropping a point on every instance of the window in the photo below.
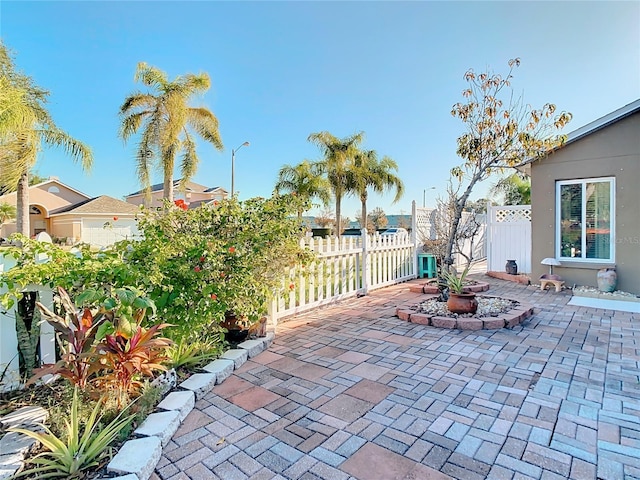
[585,214]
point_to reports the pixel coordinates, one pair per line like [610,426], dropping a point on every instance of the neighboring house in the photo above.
[67,214]
[99,221]
[194,194]
[585,202]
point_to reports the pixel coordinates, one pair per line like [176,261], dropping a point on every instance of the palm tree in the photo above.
[25,125]
[516,189]
[339,154]
[369,172]
[164,120]
[7,212]
[306,181]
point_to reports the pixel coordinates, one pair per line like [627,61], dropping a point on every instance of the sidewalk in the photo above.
[351,391]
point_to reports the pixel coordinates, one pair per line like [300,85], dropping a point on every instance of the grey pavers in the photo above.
[556,397]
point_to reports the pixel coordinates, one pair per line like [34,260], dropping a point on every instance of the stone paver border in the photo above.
[509,319]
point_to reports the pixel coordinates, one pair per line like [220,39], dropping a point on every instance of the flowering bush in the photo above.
[203,262]
[193,265]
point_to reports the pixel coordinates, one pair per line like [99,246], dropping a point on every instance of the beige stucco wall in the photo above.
[66,226]
[613,151]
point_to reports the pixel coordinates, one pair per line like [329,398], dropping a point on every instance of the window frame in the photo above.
[612,242]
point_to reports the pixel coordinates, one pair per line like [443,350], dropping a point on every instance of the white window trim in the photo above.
[612,245]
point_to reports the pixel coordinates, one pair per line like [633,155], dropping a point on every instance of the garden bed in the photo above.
[493,313]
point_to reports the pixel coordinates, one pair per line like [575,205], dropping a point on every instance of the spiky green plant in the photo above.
[69,455]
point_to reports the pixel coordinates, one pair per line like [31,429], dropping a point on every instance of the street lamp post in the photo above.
[424,195]
[233,162]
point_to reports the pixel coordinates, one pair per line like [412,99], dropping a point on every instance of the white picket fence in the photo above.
[344,268]
[509,237]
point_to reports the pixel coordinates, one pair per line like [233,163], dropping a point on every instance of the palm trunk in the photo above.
[22,204]
[363,212]
[338,212]
[168,187]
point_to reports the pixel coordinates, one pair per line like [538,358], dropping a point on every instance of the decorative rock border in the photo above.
[138,457]
[509,319]
[432,289]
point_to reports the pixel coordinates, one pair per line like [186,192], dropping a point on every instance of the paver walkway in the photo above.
[352,392]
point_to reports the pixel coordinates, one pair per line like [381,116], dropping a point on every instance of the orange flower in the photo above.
[291,286]
[232,249]
[214,296]
[115,219]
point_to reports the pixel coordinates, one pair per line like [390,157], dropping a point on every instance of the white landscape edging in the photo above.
[219,371]
[138,457]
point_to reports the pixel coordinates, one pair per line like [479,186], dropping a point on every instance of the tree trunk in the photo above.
[338,212]
[22,204]
[363,211]
[168,187]
[459,208]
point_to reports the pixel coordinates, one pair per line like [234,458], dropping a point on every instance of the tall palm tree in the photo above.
[25,126]
[165,121]
[306,181]
[339,154]
[370,172]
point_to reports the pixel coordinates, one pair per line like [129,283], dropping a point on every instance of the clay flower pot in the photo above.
[462,303]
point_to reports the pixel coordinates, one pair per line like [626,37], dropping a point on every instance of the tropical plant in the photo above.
[502,132]
[25,127]
[338,156]
[79,449]
[164,120]
[76,334]
[455,282]
[192,354]
[304,180]
[7,212]
[515,189]
[370,172]
[124,359]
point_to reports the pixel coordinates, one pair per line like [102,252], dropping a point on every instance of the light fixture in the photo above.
[233,161]
[552,262]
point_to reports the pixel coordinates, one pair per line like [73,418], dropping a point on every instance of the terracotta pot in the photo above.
[462,303]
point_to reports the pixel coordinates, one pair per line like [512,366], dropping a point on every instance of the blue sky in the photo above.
[282,70]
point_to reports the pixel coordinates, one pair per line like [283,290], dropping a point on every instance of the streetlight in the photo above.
[424,196]
[233,161]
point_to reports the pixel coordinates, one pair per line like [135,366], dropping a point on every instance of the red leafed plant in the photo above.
[76,334]
[124,359]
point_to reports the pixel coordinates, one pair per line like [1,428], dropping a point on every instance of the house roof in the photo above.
[603,122]
[189,187]
[99,205]
[590,128]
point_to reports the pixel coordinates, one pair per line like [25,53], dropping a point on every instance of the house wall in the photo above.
[66,226]
[66,195]
[613,151]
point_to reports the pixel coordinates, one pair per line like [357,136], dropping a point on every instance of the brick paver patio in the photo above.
[353,392]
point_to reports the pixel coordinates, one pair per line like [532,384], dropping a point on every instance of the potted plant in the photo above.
[460,300]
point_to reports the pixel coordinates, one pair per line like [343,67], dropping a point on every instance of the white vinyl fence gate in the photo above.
[509,237]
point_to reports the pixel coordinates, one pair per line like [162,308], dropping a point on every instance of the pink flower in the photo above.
[196,269]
